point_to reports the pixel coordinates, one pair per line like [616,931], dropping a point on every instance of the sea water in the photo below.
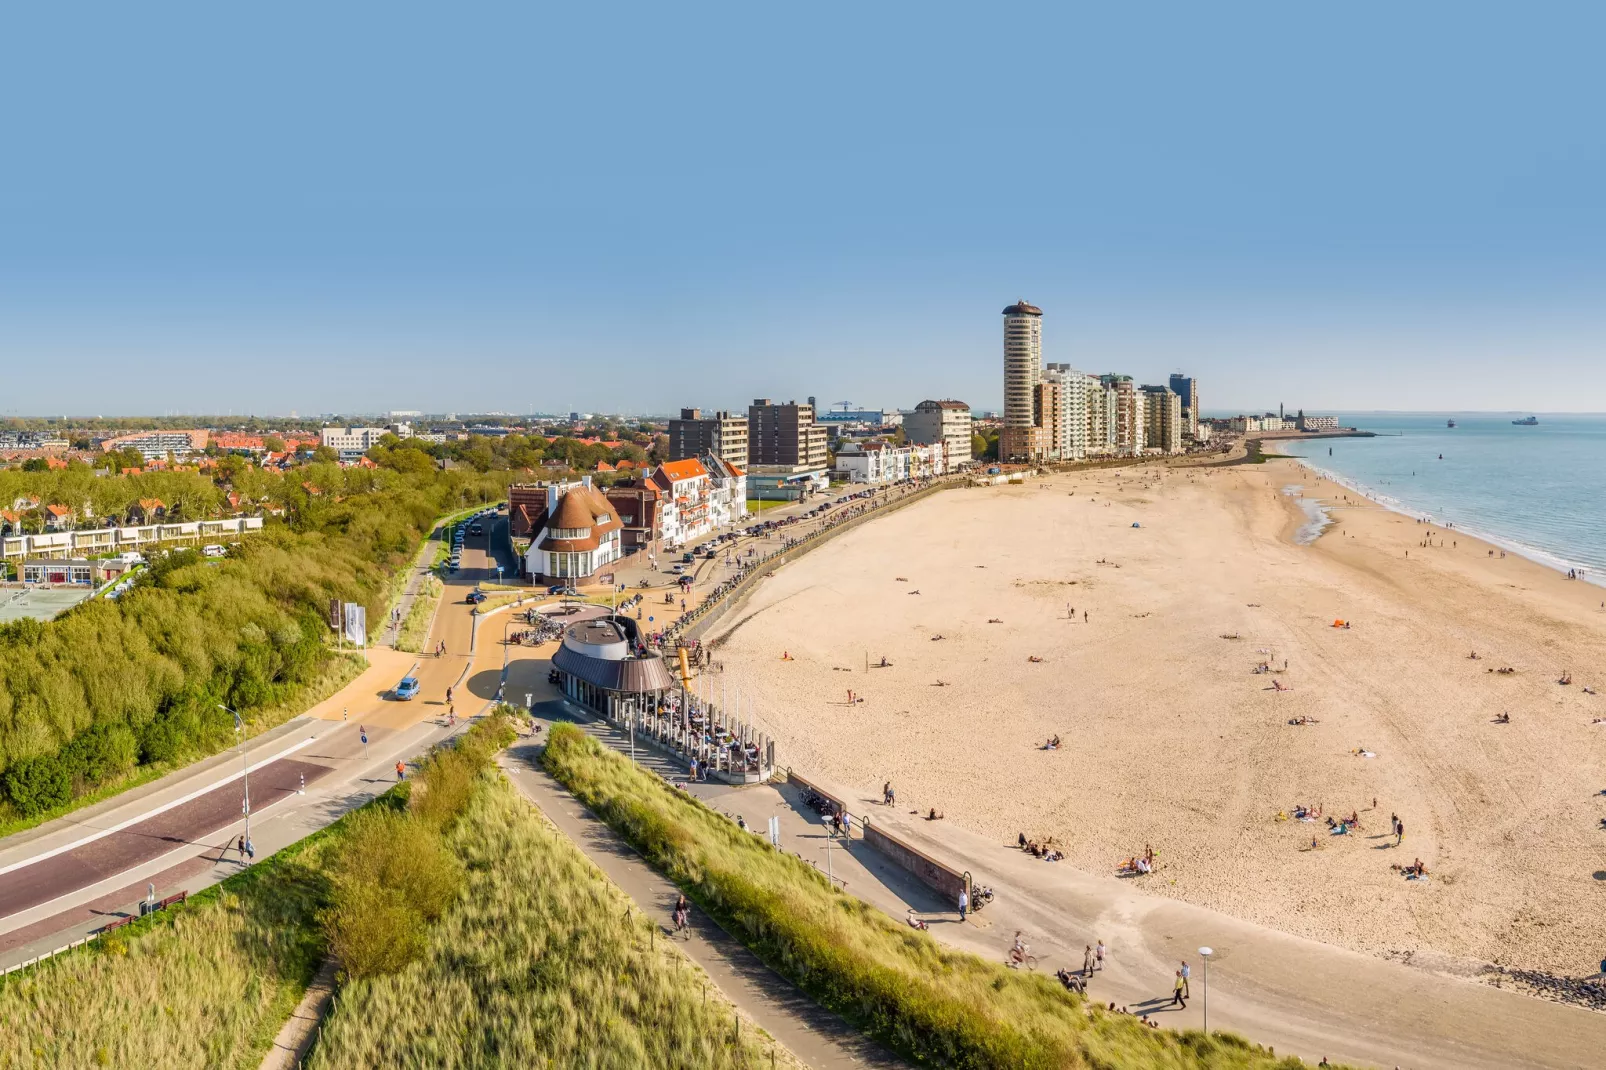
[1538,491]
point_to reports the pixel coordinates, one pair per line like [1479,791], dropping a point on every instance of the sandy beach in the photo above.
[1169,738]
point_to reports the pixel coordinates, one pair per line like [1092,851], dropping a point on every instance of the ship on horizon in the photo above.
[1449,423]
[1527,421]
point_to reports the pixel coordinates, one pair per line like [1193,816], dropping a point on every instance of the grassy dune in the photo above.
[937,1006]
[539,963]
[206,984]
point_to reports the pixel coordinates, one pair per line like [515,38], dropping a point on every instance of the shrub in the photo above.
[37,784]
[372,931]
[392,850]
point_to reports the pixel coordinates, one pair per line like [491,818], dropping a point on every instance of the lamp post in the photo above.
[245,767]
[1205,953]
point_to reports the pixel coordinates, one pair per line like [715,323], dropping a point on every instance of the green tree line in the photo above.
[114,685]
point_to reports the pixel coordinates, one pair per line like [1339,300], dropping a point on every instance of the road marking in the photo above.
[196,794]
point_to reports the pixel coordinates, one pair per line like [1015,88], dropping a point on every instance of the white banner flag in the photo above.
[356,624]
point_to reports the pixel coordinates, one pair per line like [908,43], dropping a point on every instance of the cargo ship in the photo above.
[1527,421]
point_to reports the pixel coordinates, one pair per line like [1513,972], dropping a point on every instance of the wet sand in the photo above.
[1170,739]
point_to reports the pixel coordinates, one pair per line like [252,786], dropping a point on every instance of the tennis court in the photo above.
[40,603]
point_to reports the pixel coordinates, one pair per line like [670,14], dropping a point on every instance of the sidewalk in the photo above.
[816,1036]
[1296,995]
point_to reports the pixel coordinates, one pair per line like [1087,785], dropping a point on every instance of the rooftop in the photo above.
[1021,308]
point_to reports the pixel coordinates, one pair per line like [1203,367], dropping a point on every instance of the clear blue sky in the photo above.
[355,207]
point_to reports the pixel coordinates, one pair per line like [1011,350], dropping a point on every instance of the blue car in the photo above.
[407,689]
[476,597]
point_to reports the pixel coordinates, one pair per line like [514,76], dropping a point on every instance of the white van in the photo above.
[129,557]
[213,550]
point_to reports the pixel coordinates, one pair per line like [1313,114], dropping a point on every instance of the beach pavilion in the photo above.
[603,664]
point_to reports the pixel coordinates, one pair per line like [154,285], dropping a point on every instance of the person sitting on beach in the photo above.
[994,620]
[1145,866]
[1566,678]
[883,661]
[916,922]
[937,637]
[1503,718]
[1474,656]
[933,815]
[1034,659]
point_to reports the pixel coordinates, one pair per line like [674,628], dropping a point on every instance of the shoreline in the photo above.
[1538,556]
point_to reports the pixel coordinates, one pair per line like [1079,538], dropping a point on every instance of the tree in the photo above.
[325,455]
[978,444]
[273,443]
[36,464]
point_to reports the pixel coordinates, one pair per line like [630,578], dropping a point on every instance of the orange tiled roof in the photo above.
[690,468]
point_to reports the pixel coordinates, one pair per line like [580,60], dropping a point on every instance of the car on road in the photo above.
[476,528]
[406,690]
[688,557]
[561,588]
[475,597]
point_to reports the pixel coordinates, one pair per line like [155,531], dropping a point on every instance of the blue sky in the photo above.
[356,207]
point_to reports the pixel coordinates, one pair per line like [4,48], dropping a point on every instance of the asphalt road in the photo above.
[189,823]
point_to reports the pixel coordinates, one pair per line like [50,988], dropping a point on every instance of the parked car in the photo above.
[688,557]
[407,689]
[212,550]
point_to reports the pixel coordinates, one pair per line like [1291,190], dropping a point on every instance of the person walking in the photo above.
[1087,961]
[1177,997]
[240,846]
[964,903]
[1098,956]
[1399,833]
[1186,973]
[401,771]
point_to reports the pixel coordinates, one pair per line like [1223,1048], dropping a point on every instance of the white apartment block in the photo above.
[880,462]
[1069,440]
[350,441]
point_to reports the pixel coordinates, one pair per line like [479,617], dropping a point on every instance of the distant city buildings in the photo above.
[1187,390]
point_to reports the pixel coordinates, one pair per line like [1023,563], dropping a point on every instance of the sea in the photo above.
[1537,491]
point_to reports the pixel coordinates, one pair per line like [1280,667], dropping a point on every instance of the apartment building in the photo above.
[722,434]
[947,422]
[155,445]
[1022,439]
[685,495]
[351,442]
[1186,387]
[785,434]
[1162,419]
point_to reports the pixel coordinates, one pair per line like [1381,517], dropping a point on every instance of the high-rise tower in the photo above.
[1023,437]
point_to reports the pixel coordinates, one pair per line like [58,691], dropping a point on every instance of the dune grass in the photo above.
[540,962]
[414,630]
[937,1006]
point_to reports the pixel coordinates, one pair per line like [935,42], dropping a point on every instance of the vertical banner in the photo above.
[335,613]
[356,624]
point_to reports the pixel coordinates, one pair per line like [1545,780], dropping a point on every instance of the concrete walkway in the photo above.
[1298,996]
[816,1036]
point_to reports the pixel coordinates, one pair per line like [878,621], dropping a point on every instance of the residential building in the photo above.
[947,422]
[685,494]
[1316,423]
[1129,437]
[1022,438]
[59,518]
[154,445]
[1244,424]
[636,502]
[352,442]
[785,435]
[723,434]
[728,501]
[1269,422]
[578,537]
[1101,417]
[878,463]
[1049,416]
[1162,419]
[1068,434]
[1186,387]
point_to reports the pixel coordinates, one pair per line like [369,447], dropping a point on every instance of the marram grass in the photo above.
[539,963]
[936,1006]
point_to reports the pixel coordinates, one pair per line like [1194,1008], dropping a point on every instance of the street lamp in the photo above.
[245,768]
[1205,953]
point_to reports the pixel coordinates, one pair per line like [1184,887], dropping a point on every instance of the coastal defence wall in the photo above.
[738,594]
[942,879]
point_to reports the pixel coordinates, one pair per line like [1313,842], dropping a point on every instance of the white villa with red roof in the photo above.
[579,535]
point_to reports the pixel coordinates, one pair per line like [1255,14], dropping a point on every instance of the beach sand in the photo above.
[1168,736]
